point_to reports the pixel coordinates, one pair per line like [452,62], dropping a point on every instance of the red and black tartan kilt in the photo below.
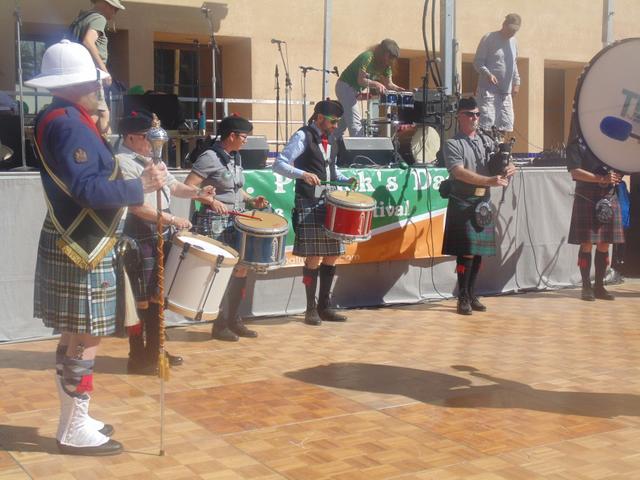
[585,228]
[311,237]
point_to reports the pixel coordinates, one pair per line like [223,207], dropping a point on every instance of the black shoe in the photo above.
[476,305]
[331,315]
[225,335]
[107,430]
[587,294]
[112,447]
[242,331]
[601,293]
[464,306]
[174,360]
[311,317]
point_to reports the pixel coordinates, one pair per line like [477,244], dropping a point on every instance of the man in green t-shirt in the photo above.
[89,29]
[370,69]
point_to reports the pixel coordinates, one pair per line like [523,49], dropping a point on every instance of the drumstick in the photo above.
[238,214]
[617,129]
[336,184]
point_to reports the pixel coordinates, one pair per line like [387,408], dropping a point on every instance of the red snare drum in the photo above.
[349,216]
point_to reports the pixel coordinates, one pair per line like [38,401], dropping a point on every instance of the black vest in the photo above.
[312,161]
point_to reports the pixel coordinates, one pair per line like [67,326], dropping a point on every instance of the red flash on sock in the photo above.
[135,330]
[86,384]
[460,268]
[606,260]
[583,262]
[243,293]
[307,280]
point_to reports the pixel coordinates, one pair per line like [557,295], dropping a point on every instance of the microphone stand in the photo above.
[304,86]
[214,50]
[277,77]
[18,16]
[287,90]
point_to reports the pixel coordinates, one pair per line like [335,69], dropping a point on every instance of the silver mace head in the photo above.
[157,137]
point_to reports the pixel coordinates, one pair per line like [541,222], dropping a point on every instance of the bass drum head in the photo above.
[607,104]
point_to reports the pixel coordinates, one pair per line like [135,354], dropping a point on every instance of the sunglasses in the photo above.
[333,120]
[471,114]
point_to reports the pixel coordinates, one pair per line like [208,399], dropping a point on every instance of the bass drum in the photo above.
[411,141]
[607,105]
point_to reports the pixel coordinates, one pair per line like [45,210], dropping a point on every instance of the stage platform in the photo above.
[542,386]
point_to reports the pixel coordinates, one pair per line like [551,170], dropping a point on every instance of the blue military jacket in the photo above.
[84,191]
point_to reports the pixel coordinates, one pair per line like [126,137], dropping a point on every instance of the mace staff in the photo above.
[158,137]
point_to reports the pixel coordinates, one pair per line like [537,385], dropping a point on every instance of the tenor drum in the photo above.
[405,107]
[197,272]
[349,216]
[389,99]
[261,240]
[607,105]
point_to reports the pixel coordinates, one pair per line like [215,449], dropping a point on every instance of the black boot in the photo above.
[601,262]
[325,311]
[463,270]
[222,325]
[235,294]
[584,263]
[473,299]
[310,280]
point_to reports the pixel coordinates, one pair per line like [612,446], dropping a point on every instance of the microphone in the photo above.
[274,40]
[335,70]
[277,74]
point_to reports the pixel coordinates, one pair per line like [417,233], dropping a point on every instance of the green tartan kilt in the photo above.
[462,236]
[68,298]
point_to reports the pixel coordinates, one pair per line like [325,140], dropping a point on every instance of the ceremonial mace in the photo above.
[158,137]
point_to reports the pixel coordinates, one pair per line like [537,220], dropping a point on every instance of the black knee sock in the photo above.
[235,295]
[327,273]
[310,280]
[475,268]
[601,261]
[584,262]
[464,266]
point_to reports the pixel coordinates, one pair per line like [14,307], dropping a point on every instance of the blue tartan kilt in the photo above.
[461,234]
[68,298]
[311,238]
[217,227]
[585,228]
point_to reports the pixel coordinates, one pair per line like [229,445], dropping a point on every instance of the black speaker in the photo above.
[165,106]
[10,137]
[365,151]
[254,153]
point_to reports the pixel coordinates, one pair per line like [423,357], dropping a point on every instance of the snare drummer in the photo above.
[466,158]
[594,182]
[310,158]
[134,152]
[220,166]
[370,69]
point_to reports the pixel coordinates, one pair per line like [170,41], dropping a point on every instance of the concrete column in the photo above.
[529,106]
[7,53]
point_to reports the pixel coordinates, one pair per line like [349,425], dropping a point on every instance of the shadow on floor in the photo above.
[26,439]
[459,392]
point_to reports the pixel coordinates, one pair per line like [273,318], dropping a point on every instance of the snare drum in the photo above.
[349,216]
[197,272]
[389,99]
[261,241]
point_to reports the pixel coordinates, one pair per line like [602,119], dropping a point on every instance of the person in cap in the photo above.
[89,29]
[371,69]
[86,197]
[466,157]
[220,165]
[310,158]
[595,194]
[499,80]
[134,153]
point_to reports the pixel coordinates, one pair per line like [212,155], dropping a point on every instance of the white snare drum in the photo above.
[197,272]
